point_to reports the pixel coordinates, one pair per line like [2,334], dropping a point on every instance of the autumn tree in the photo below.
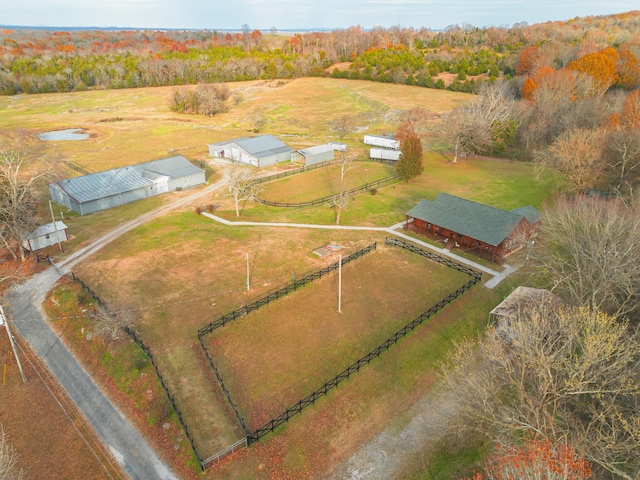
[416,120]
[568,375]
[241,186]
[600,66]
[577,154]
[410,163]
[535,460]
[588,252]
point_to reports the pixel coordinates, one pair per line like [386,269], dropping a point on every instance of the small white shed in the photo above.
[45,236]
[384,154]
[380,141]
[313,155]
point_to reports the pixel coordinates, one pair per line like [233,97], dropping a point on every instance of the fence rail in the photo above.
[355,367]
[433,256]
[242,443]
[321,201]
[280,292]
[295,171]
[138,340]
[224,387]
[75,167]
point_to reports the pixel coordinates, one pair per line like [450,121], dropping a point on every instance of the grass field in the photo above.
[182,271]
[286,350]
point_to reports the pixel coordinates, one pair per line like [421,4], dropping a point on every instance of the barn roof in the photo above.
[259,147]
[316,149]
[523,297]
[471,219]
[119,180]
[46,229]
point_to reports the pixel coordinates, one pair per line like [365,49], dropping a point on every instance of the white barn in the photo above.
[100,191]
[313,155]
[380,141]
[45,236]
[257,151]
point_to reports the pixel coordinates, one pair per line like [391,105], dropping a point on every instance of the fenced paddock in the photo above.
[270,360]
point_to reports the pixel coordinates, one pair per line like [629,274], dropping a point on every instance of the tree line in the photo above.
[36,61]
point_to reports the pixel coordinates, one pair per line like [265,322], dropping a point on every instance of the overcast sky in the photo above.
[303,14]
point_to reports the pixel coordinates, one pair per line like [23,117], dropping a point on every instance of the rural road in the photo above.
[23,303]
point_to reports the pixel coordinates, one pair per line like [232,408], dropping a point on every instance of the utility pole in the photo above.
[55,227]
[340,285]
[5,321]
[248,284]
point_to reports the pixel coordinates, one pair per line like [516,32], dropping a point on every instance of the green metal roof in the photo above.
[471,219]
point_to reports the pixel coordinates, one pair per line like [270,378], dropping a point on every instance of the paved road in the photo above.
[24,306]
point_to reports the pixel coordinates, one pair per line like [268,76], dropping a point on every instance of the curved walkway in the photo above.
[24,304]
[392,230]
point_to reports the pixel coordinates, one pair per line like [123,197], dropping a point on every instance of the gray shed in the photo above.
[103,190]
[45,236]
[257,151]
[314,155]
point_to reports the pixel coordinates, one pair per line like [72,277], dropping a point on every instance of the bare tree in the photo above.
[577,154]
[622,154]
[18,176]
[340,201]
[343,126]
[565,374]
[588,252]
[109,325]
[8,459]
[240,184]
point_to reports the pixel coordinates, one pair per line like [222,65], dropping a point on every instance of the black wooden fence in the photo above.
[446,261]
[280,292]
[289,173]
[136,338]
[355,367]
[321,201]
[75,167]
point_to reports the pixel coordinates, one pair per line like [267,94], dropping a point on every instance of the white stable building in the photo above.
[257,151]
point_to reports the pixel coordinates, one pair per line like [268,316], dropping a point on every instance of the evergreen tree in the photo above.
[410,163]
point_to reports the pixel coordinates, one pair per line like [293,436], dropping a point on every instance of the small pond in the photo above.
[68,134]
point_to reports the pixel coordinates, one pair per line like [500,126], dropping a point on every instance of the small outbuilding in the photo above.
[45,236]
[338,146]
[485,230]
[522,298]
[384,154]
[313,155]
[100,191]
[382,141]
[257,151]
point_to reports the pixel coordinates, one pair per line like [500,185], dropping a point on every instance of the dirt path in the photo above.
[24,306]
[385,456]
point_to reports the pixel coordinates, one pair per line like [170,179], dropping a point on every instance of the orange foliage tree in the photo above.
[535,460]
[528,88]
[628,68]
[600,66]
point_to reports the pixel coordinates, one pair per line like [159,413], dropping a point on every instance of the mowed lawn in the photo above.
[323,182]
[500,183]
[284,351]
